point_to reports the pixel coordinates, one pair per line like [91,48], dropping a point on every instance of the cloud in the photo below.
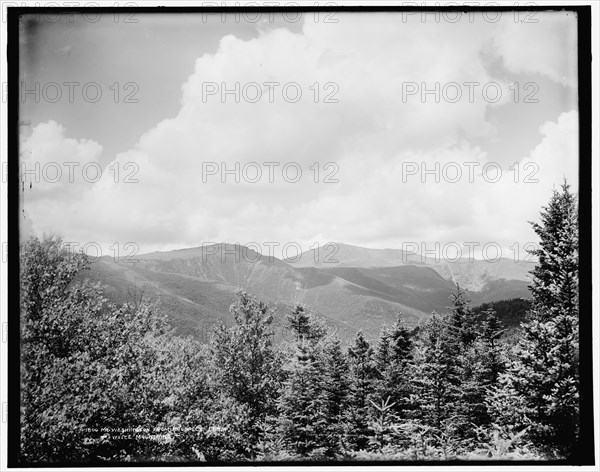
[55,162]
[363,137]
[403,202]
[546,44]
[56,172]
[557,155]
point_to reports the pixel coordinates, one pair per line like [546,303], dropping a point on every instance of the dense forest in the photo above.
[509,312]
[107,382]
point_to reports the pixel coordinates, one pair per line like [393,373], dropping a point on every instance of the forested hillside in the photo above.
[103,381]
[196,286]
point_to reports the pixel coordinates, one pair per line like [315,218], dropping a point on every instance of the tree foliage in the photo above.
[543,377]
[106,382]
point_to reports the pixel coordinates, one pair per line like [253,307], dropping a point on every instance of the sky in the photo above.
[380,130]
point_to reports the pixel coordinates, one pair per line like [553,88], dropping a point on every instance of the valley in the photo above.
[363,290]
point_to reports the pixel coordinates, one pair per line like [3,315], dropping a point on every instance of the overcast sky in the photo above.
[506,94]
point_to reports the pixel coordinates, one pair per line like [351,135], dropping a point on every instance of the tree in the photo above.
[462,320]
[437,379]
[491,360]
[555,278]
[394,352]
[313,396]
[447,391]
[362,375]
[305,325]
[301,407]
[89,368]
[247,365]
[542,382]
[383,425]
[335,394]
[463,333]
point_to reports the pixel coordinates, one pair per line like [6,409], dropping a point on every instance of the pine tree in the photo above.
[247,365]
[481,364]
[362,375]
[463,331]
[311,398]
[393,354]
[436,379]
[555,284]
[383,425]
[447,395]
[491,360]
[382,353]
[542,383]
[301,407]
[462,320]
[305,325]
[335,394]
[400,342]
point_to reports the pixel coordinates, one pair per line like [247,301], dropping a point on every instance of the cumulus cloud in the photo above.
[56,171]
[558,153]
[356,138]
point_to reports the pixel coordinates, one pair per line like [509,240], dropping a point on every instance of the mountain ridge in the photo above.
[197,285]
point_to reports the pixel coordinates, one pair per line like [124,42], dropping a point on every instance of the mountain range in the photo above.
[352,288]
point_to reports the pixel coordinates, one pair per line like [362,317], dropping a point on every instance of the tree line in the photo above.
[108,382]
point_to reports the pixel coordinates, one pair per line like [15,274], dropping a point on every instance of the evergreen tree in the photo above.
[555,278]
[462,332]
[306,326]
[393,354]
[478,356]
[335,394]
[462,320]
[542,382]
[310,397]
[488,358]
[362,372]
[436,379]
[383,425]
[247,365]
[491,360]
[301,406]
[382,353]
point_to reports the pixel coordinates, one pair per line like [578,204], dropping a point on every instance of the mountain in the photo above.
[472,275]
[364,290]
[346,255]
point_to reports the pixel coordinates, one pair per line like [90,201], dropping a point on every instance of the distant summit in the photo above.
[351,287]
